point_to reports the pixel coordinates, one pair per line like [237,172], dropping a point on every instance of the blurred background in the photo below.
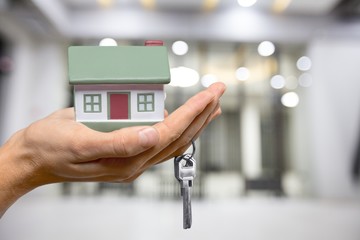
[283,160]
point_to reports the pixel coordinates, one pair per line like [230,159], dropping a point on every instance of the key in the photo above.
[185,171]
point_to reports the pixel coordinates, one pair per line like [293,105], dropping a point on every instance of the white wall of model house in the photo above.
[132,89]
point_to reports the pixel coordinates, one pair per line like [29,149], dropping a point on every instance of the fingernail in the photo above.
[148,137]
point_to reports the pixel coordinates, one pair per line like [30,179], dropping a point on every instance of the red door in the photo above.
[119,106]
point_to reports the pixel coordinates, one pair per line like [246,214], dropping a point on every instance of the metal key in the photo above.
[185,171]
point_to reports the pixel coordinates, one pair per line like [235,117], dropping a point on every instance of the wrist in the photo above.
[17,172]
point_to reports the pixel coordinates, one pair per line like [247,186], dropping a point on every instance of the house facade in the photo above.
[116,87]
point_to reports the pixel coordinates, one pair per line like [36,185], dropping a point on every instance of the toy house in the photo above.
[118,86]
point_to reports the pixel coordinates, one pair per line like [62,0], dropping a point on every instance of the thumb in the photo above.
[124,142]
[134,140]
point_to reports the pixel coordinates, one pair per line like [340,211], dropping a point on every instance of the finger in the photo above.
[105,178]
[176,123]
[200,122]
[181,149]
[102,168]
[190,129]
[90,145]
[134,177]
[216,114]
[188,135]
[218,88]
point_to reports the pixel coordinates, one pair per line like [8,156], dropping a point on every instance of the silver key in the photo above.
[185,171]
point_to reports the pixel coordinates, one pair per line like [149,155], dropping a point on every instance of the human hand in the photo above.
[59,149]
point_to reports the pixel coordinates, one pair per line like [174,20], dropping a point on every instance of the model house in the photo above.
[118,86]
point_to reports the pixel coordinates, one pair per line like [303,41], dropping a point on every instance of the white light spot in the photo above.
[208,79]
[183,77]
[246,3]
[242,74]
[266,48]
[305,80]
[107,42]
[304,63]
[290,99]
[277,82]
[180,48]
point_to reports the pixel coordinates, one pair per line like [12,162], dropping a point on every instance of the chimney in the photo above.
[154,43]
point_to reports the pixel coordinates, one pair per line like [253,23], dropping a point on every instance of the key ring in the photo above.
[194,148]
[179,158]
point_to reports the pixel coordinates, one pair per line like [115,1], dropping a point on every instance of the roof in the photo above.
[118,64]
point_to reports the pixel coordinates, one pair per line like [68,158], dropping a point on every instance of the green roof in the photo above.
[120,64]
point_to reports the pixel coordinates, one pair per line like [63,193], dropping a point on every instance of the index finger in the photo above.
[176,123]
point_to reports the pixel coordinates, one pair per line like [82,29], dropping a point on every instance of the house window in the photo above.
[146,102]
[92,103]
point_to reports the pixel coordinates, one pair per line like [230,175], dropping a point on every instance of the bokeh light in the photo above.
[242,74]
[304,63]
[290,99]
[266,48]
[208,79]
[108,42]
[277,82]
[180,48]
[183,77]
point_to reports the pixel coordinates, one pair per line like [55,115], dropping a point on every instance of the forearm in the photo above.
[15,172]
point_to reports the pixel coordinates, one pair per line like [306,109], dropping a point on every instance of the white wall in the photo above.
[334,115]
[38,84]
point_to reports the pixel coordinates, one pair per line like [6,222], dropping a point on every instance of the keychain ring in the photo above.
[178,158]
[194,148]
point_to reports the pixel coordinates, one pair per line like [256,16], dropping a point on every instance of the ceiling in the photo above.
[217,20]
[305,7]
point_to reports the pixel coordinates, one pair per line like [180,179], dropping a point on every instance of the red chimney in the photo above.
[154,43]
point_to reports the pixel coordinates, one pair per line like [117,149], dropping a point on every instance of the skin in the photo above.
[59,149]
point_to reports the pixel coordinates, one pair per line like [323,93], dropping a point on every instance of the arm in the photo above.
[58,149]
[15,177]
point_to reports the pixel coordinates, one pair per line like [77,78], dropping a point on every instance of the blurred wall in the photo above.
[37,85]
[333,104]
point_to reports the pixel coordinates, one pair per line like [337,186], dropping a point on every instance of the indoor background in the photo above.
[283,160]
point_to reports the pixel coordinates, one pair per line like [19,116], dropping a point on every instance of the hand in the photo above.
[58,149]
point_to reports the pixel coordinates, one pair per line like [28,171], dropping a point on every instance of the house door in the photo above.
[119,105]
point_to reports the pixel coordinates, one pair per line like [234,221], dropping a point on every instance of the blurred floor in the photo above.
[113,217]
